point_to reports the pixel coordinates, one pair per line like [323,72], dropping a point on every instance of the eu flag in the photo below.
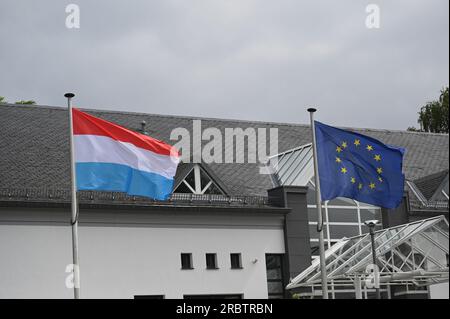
[359,167]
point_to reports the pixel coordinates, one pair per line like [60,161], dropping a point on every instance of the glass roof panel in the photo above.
[416,248]
[293,167]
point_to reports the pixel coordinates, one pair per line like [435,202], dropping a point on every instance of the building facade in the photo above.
[227,231]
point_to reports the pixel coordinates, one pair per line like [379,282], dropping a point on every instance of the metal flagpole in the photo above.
[74,220]
[319,209]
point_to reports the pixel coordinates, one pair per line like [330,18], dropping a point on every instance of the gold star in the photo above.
[357,143]
[344,144]
[338,149]
[338,160]
[369,148]
[353,180]
[377,157]
[372,185]
[380,179]
[343,170]
[360,186]
[379,170]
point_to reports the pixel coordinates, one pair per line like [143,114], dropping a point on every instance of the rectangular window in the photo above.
[275,278]
[340,231]
[343,215]
[186,261]
[313,234]
[211,261]
[314,249]
[236,261]
[367,214]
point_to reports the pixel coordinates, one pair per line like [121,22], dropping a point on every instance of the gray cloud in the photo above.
[245,59]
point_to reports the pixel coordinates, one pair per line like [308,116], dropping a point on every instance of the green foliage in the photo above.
[26,102]
[434,116]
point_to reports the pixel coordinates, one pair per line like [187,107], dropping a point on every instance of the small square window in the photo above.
[211,261]
[236,261]
[186,261]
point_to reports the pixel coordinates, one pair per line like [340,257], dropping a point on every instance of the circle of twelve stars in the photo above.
[376,157]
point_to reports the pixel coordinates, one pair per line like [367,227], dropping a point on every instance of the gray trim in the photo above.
[169,206]
[143,225]
[132,218]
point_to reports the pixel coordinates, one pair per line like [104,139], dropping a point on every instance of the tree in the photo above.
[27,102]
[413,129]
[433,117]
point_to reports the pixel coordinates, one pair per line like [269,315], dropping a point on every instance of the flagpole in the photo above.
[74,220]
[323,270]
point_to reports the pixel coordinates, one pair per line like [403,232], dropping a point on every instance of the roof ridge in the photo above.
[60,108]
[222,119]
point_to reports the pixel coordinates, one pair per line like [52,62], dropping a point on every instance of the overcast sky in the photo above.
[243,59]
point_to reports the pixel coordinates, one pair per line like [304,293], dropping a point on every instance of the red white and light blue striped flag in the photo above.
[110,157]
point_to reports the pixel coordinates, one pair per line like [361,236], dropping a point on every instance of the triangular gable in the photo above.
[190,174]
[293,167]
[441,192]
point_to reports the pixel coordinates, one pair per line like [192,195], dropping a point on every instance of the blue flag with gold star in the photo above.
[359,167]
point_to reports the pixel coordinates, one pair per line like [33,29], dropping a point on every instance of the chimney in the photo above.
[143,130]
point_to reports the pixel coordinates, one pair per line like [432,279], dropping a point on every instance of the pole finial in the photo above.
[69,95]
[312,110]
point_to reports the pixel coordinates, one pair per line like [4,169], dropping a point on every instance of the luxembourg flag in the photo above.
[109,157]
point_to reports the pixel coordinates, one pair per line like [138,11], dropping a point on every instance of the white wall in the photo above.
[120,261]
[439,291]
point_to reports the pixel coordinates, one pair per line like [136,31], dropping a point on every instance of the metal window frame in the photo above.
[198,188]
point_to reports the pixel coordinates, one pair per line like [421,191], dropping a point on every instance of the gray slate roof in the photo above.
[34,147]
